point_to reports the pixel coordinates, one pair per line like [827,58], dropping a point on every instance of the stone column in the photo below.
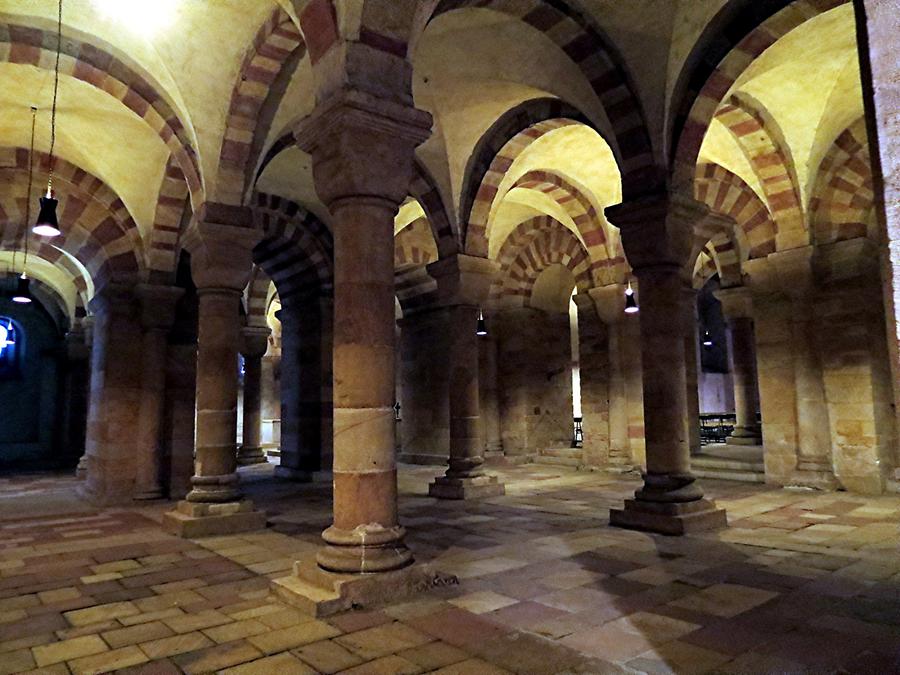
[254,344]
[609,301]
[362,150]
[737,306]
[157,316]
[691,367]
[301,390]
[656,233]
[221,257]
[76,375]
[463,284]
[270,405]
[490,402]
[115,399]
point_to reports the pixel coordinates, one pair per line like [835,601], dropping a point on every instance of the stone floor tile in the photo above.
[610,642]
[132,635]
[67,650]
[381,640]
[482,601]
[235,631]
[471,667]
[283,618]
[678,657]
[55,669]
[434,655]
[386,665]
[725,600]
[177,644]
[293,636]
[328,656]
[59,594]
[105,612]
[351,622]
[191,622]
[16,662]
[280,664]
[108,661]
[217,657]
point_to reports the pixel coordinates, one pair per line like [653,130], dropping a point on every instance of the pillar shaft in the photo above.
[691,367]
[254,344]
[746,389]
[215,477]
[490,408]
[366,535]
[657,234]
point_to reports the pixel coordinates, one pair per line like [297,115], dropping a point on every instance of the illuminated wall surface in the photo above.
[28,387]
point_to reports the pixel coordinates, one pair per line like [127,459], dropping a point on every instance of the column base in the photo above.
[317,592]
[670,518]
[494,458]
[149,495]
[302,475]
[479,487]
[817,475]
[199,519]
[247,456]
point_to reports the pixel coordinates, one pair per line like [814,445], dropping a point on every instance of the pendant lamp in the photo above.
[481,326]
[631,306]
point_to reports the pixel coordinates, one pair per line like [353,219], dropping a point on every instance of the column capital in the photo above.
[658,229]
[609,301]
[158,305]
[221,241]
[463,279]
[788,273]
[362,146]
[737,302]
[254,341]
[113,297]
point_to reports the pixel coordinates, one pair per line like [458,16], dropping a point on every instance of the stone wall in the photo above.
[534,364]
[424,429]
[593,339]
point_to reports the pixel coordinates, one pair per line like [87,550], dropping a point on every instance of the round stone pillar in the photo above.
[255,341]
[490,405]
[362,150]
[657,234]
[463,282]
[747,431]
[221,254]
[157,316]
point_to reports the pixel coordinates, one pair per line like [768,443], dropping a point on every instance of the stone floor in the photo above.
[801,582]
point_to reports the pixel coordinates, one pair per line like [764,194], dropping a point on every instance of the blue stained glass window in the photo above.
[9,347]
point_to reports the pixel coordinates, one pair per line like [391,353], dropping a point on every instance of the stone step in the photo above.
[725,474]
[562,452]
[554,460]
[720,463]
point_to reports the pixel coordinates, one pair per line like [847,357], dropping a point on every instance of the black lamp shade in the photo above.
[630,304]
[47,224]
[481,327]
[23,291]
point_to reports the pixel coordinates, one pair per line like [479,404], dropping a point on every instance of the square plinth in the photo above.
[669,519]
[191,519]
[317,592]
[480,487]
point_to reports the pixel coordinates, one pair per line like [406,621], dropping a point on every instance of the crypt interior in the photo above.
[455,336]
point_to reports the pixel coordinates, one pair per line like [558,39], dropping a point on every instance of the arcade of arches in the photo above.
[249,397]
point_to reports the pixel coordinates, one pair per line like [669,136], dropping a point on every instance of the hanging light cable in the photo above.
[47,225]
[631,306]
[23,284]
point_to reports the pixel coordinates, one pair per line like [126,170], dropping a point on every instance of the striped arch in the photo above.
[414,245]
[843,196]
[297,252]
[761,141]
[532,247]
[100,65]
[170,209]
[96,227]
[55,257]
[702,103]
[263,77]
[705,267]
[583,213]
[256,297]
[727,194]
[495,153]
[602,68]
[427,193]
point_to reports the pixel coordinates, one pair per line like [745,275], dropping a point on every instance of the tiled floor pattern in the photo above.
[801,582]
